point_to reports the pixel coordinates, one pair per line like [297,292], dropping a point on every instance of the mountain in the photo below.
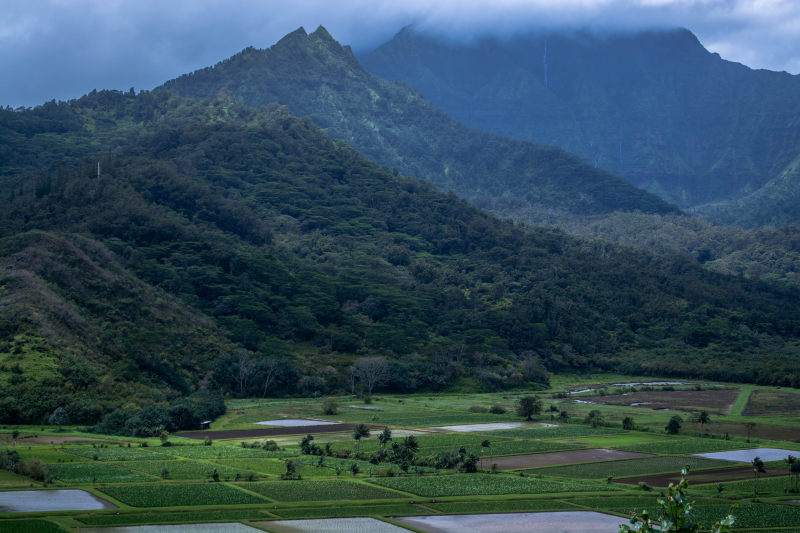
[159,250]
[654,107]
[394,125]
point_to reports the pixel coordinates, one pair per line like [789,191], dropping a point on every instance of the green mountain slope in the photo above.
[394,125]
[654,107]
[219,243]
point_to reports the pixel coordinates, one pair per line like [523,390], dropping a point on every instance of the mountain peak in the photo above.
[322,34]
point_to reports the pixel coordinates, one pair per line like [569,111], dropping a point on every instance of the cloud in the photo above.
[64,48]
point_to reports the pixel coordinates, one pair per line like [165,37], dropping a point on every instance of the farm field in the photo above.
[555,463]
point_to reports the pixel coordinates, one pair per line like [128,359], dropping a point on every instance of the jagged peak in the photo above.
[295,36]
[322,34]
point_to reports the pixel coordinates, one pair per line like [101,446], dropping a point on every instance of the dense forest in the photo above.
[159,249]
[396,126]
[653,106]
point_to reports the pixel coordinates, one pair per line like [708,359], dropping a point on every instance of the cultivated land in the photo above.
[555,463]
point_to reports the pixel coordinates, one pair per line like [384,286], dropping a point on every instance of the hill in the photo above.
[223,248]
[654,107]
[395,126]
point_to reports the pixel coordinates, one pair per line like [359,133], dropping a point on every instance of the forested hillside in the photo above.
[655,107]
[224,248]
[394,125]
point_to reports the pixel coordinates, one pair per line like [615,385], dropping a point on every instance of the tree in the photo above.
[268,371]
[628,423]
[674,425]
[246,368]
[371,371]
[529,406]
[360,431]
[385,436]
[59,418]
[703,418]
[676,514]
[758,468]
[594,418]
[330,406]
[749,426]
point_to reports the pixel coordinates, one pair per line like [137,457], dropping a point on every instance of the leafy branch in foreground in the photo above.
[676,514]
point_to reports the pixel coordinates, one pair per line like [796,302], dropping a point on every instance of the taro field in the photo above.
[564,460]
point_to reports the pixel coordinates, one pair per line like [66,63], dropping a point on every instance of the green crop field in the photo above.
[174,484]
[173,495]
[298,491]
[95,473]
[475,484]
[629,467]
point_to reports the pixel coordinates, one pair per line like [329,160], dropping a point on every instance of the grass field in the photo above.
[173,484]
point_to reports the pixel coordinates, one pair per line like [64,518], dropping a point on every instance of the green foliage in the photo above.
[321,491]
[95,473]
[330,406]
[28,526]
[474,484]
[173,495]
[529,406]
[674,425]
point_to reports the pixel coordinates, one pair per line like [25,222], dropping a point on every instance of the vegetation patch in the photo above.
[181,469]
[173,495]
[351,510]
[29,526]
[478,484]
[558,432]
[770,402]
[115,453]
[630,467]
[682,445]
[301,491]
[183,517]
[225,452]
[501,506]
[95,473]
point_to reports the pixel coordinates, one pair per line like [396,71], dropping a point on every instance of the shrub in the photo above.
[497,409]
[330,406]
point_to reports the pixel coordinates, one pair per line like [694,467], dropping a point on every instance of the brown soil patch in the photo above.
[759,431]
[772,403]
[23,440]
[266,432]
[533,460]
[716,401]
[699,477]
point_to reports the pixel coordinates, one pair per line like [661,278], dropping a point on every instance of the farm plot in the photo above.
[295,422]
[683,445]
[772,403]
[181,469]
[546,522]
[50,455]
[717,475]
[515,462]
[331,511]
[120,454]
[482,484]
[179,517]
[745,456]
[333,525]
[301,491]
[273,467]
[717,401]
[29,526]
[95,473]
[177,528]
[225,452]
[563,431]
[470,428]
[629,467]
[266,432]
[23,501]
[171,495]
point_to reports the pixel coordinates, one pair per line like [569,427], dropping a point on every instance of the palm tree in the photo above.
[758,468]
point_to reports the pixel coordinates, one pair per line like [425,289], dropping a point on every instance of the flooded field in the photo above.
[295,422]
[745,456]
[554,522]
[332,525]
[469,428]
[25,501]
[178,528]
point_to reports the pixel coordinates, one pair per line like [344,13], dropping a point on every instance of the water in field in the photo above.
[555,522]
[233,527]
[295,422]
[24,501]
[468,428]
[333,525]
[745,456]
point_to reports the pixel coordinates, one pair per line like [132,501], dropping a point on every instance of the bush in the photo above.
[497,409]
[478,409]
[330,406]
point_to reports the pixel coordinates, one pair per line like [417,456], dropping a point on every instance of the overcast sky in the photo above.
[63,49]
